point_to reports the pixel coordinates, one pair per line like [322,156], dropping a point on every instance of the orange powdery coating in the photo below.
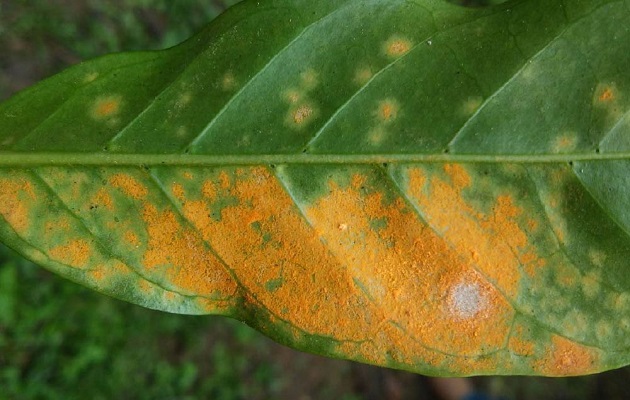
[567,358]
[409,275]
[76,253]
[302,113]
[519,344]
[129,185]
[105,107]
[494,243]
[14,196]
[179,253]
[263,238]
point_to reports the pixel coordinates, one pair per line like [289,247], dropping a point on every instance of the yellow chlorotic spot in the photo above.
[309,79]
[363,75]
[388,110]
[106,107]
[293,96]
[597,257]
[376,136]
[129,185]
[603,330]
[565,143]
[76,254]
[622,302]
[183,100]
[471,105]
[181,132]
[575,323]
[228,82]
[625,324]
[91,77]
[397,46]
[591,287]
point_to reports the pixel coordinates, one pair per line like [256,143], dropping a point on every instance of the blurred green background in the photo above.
[61,341]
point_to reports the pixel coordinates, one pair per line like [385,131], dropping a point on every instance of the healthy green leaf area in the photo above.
[406,183]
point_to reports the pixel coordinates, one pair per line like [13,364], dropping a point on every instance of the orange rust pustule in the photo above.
[13,204]
[407,272]
[76,253]
[607,95]
[567,358]
[495,242]
[263,238]
[129,185]
[188,264]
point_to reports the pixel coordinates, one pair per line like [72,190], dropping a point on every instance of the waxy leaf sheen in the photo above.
[406,183]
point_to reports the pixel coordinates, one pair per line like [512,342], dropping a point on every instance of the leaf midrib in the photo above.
[10,159]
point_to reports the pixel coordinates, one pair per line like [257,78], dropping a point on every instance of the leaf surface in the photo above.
[405,183]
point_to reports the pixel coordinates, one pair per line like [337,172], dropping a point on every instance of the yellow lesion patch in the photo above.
[566,358]
[180,254]
[471,105]
[363,75]
[76,253]
[90,77]
[494,242]
[129,185]
[106,107]
[407,273]
[397,46]
[388,110]
[15,195]
[301,116]
[228,82]
[309,79]
[565,143]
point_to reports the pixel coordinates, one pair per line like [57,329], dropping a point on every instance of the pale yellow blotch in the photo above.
[293,95]
[106,107]
[625,324]
[590,287]
[181,132]
[228,82]
[309,79]
[622,302]
[575,324]
[597,257]
[387,110]
[363,75]
[565,143]
[397,46]
[377,136]
[91,77]
[183,100]
[471,105]
[603,330]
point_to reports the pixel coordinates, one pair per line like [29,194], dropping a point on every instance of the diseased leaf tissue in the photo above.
[404,183]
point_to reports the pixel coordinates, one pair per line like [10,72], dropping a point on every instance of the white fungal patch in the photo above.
[466,300]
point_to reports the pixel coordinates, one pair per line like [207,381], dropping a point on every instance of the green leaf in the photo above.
[405,183]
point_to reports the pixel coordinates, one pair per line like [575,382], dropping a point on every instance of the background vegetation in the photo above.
[61,341]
